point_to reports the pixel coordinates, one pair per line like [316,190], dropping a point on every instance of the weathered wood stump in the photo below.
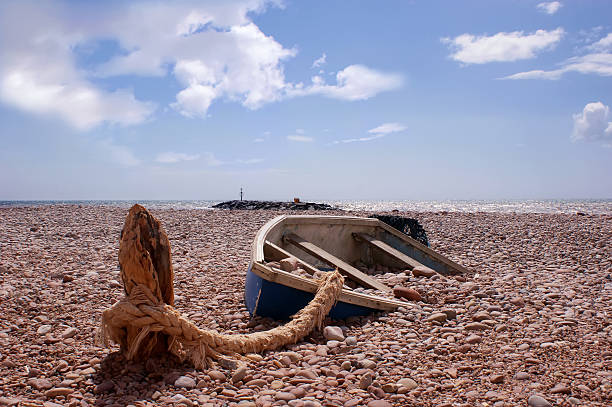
[145,259]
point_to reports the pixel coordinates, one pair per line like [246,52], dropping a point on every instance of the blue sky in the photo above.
[372,100]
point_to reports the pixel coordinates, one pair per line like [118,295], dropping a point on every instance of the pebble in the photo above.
[365,381]
[408,293]
[40,384]
[437,316]
[69,333]
[509,255]
[186,382]
[476,326]
[423,271]
[333,333]
[44,329]
[407,383]
[538,401]
[350,341]
[560,388]
[472,339]
[105,387]
[379,403]
[284,395]
[496,378]
[59,391]
[239,374]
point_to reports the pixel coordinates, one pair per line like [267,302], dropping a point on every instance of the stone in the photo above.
[239,374]
[379,403]
[185,382]
[9,401]
[69,332]
[389,387]
[472,339]
[476,326]
[333,333]
[538,401]
[521,376]
[289,264]
[40,384]
[423,271]
[44,329]
[481,316]
[284,395]
[217,375]
[450,313]
[367,364]
[350,341]
[408,293]
[407,383]
[58,391]
[104,387]
[517,301]
[181,400]
[365,381]
[496,378]
[560,389]
[437,316]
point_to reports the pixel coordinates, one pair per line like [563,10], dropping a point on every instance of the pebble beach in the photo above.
[529,326]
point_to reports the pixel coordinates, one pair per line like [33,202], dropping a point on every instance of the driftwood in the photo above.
[145,259]
[145,321]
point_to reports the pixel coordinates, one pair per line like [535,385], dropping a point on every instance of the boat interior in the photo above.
[358,247]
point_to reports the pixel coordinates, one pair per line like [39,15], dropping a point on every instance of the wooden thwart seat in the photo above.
[379,244]
[281,253]
[344,268]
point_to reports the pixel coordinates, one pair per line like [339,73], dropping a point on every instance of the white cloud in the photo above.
[320,61]
[598,64]
[550,7]
[355,82]
[119,154]
[603,45]
[213,49]
[501,47]
[593,124]
[387,128]
[353,140]
[258,140]
[300,138]
[172,157]
[376,133]
[68,96]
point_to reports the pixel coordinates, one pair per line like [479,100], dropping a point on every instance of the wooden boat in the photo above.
[324,243]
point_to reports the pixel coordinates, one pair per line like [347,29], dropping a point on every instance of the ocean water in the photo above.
[596,206]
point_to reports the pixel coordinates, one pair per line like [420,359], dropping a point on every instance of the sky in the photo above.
[323,100]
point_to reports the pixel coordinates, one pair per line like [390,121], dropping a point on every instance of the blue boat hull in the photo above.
[269,299]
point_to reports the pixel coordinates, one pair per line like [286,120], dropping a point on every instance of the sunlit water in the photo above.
[603,206]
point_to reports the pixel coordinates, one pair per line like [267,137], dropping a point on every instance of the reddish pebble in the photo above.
[408,293]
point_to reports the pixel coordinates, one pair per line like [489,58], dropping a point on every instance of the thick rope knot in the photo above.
[143,313]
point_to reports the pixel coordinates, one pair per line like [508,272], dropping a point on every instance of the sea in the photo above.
[586,206]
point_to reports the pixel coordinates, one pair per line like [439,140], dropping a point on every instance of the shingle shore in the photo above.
[532,324]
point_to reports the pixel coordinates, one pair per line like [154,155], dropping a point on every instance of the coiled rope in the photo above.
[145,321]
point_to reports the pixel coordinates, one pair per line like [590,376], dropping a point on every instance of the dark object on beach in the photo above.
[256,205]
[409,226]
[291,252]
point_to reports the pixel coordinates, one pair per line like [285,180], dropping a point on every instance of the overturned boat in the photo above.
[290,252]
